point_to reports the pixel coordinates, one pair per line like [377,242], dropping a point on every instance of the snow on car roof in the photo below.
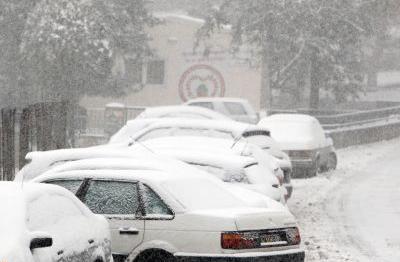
[206,157]
[148,161]
[122,173]
[221,146]
[41,161]
[235,127]
[138,127]
[154,112]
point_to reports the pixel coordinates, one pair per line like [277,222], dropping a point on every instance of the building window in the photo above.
[134,71]
[155,72]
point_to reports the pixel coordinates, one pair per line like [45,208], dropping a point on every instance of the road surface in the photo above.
[353,213]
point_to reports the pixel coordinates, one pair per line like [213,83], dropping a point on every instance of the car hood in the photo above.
[249,218]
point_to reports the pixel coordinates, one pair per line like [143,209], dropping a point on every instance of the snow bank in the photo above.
[326,238]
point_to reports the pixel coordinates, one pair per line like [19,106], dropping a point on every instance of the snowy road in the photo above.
[353,213]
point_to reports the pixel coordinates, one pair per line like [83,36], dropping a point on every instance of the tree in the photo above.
[321,35]
[13,16]
[378,17]
[69,46]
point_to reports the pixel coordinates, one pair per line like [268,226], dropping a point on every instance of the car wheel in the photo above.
[332,161]
[314,170]
[155,256]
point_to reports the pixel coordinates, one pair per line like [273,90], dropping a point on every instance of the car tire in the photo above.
[155,256]
[332,162]
[315,169]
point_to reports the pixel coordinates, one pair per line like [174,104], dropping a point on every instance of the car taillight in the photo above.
[261,239]
[238,241]
[293,236]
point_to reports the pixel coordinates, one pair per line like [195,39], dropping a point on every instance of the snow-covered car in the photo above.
[241,170]
[41,161]
[181,111]
[303,138]
[230,130]
[236,108]
[46,223]
[171,216]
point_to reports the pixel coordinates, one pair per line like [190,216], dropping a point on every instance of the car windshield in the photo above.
[289,129]
[199,194]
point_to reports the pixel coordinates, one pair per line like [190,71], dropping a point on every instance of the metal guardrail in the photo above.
[365,134]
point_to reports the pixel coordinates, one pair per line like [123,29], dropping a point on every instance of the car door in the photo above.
[119,202]
[63,220]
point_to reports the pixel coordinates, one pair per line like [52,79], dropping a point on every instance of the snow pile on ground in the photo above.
[324,235]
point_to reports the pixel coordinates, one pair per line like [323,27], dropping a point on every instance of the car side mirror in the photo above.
[40,240]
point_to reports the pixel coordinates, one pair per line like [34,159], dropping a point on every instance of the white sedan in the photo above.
[169,216]
[46,223]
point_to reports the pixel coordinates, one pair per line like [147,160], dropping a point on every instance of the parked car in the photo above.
[42,161]
[236,108]
[170,216]
[181,111]
[230,130]
[240,170]
[303,138]
[46,223]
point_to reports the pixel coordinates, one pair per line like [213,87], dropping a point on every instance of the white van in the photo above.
[236,108]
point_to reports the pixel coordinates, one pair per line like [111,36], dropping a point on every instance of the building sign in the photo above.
[201,81]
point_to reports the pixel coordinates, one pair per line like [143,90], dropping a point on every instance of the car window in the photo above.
[71,185]
[186,131]
[155,133]
[153,204]
[48,210]
[208,105]
[112,197]
[235,108]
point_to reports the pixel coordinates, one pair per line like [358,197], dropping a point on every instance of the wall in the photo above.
[212,70]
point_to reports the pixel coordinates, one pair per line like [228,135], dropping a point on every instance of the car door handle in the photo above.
[90,241]
[128,231]
[60,252]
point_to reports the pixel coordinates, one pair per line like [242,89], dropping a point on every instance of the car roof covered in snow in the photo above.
[194,142]
[40,161]
[150,161]
[206,157]
[234,127]
[186,111]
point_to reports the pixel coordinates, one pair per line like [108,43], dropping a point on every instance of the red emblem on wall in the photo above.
[201,81]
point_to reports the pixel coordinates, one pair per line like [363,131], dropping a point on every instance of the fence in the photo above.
[42,126]
[101,123]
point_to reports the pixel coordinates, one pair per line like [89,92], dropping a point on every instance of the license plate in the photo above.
[270,238]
